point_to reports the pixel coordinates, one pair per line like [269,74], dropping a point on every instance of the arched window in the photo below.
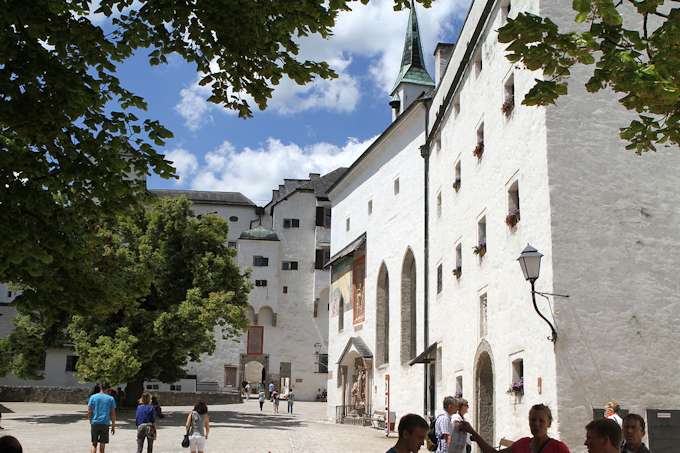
[382,317]
[250,315]
[341,313]
[408,308]
[265,316]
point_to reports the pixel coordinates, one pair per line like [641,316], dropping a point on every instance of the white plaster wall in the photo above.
[245,215]
[615,237]
[394,226]
[55,372]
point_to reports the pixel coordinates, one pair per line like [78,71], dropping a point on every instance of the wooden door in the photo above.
[230,376]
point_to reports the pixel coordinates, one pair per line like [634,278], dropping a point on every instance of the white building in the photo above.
[604,218]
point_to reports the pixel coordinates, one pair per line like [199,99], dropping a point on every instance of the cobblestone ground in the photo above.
[61,428]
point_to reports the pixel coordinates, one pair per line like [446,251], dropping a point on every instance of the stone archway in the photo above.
[408,308]
[484,393]
[250,363]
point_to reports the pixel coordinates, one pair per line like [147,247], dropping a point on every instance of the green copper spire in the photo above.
[412,61]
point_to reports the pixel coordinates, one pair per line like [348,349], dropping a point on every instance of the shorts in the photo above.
[196,443]
[100,434]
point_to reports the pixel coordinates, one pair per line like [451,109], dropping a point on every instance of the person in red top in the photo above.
[540,419]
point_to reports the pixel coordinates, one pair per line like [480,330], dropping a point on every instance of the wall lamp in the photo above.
[530,262]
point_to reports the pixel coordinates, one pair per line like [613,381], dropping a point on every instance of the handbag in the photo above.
[185,441]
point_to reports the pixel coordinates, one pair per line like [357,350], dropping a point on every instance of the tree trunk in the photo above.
[133,391]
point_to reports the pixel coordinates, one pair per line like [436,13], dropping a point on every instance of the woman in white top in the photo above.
[459,439]
[612,412]
[198,427]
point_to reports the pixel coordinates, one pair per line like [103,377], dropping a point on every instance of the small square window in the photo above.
[261,283]
[396,186]
[233,219]
[289,265]
[260,261]
[291,223]
[285,290]
[232,244]
[480,248]
[370,207]
[175,388]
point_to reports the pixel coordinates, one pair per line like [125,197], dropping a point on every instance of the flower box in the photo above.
[517,388]
[458,272]
[456,185]
[512,218]
[508,106]
[479,249]
[479,150]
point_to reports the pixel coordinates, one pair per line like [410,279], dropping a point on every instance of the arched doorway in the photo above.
[253,372]
[408,308]
[382,318]
[484,404]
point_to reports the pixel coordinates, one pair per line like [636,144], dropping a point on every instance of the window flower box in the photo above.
[479,249]
[456,184]
[479,150]
[512,218]
[517,388]
[508,106]
[458,272]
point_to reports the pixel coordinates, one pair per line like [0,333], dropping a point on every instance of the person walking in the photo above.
[442,424]
[261,398]
[157,408]
[633,433]
[145,419]
[271,390]
[291,400]
[412,431]
[540,419]
[198,427]
[101,411]
[603,436]
[612,412]
[247,389]
[460,440]
[275,401]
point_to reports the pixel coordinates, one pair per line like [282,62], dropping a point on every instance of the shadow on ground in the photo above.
[230,419]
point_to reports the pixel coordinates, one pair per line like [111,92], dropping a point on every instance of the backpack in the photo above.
[432,440]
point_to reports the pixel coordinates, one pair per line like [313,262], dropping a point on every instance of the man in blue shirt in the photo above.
[101,411]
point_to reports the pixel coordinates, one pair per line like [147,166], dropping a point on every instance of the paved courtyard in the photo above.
[62,428]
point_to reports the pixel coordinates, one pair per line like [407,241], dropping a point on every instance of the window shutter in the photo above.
[320,216]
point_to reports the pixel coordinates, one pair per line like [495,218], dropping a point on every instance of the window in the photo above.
[285,290]
[479,149]
[175,388]
[508,96]
[459,387]
[9,294]
[232,244]
[323,216]
[152,386]
[341,313]
[513,216]
[233,219]
[483,316]
[396,186]
[439,204]
[255,339]
[478,64]
[370,207]
[347,224]
[323,255]
[358,277]
[440,279]
[505,11]
[291,223]
[261,283]
[456,177]
[260,261]
[480,248]
[71,362]
[517,384]
[456,105]
[289,265]
[458,271]
[323,363]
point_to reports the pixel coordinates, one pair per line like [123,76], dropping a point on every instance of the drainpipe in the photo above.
[425,154]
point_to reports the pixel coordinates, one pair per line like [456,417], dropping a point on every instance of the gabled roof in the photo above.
[316,184]
[412,62]
[209,197]
[359,345]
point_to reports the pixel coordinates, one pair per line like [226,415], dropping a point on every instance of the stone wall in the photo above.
[69,395]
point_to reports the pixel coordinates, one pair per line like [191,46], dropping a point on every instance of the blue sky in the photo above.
[315,128]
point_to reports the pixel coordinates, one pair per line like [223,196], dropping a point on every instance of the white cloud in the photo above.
[256,171]
[184,162]
[373,31]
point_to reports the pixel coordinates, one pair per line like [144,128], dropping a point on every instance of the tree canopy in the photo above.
[186,284]
[75,143]
[635,48]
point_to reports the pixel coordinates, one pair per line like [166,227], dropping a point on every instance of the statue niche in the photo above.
[359,387]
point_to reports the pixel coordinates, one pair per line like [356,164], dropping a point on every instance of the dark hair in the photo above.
[96,389]
[201,408]
[10,444]
[637,417]
[449,400]
[544,408]
[608,428]
[409,422]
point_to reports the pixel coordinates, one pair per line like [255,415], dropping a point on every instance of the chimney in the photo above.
[442,55]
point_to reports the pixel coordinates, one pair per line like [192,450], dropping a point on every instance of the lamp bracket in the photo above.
[566,296]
